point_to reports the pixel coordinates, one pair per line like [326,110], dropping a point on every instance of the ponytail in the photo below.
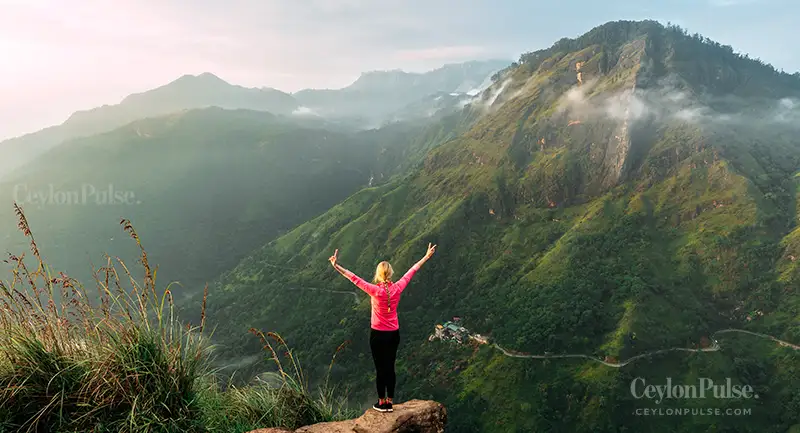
[386,285]
[383,275]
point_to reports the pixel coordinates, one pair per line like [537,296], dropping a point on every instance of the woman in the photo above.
[385,329]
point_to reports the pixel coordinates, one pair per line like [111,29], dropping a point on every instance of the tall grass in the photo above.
[119,360]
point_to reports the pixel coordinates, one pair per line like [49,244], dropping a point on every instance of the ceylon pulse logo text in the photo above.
[706,388]
[87,194]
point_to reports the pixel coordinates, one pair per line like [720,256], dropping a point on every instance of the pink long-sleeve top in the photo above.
[384,298]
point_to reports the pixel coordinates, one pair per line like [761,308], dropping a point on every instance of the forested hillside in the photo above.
[635,180]
[204,187]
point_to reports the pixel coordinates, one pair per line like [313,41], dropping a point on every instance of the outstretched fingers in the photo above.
[431,249]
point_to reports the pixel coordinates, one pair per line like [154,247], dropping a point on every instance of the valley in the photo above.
[617,205]
[563,237]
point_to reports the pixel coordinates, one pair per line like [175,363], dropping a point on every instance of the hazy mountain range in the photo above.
[369,102]
[378,96]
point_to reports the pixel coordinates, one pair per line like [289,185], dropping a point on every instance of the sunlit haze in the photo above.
[59,57]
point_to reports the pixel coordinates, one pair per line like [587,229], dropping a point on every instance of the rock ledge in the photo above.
[415,416]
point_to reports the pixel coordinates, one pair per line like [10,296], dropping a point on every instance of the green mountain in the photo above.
[377,96]
[637,181]
[187,92]
[203,187]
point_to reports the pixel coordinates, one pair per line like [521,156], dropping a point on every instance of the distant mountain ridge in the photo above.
[450,77]
[369,101]
[186,92]
[378,96]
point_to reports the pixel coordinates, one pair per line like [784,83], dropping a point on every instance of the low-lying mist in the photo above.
[668,102]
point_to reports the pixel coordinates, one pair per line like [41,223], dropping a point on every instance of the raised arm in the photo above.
[370,289]
[428,255]
[403,282]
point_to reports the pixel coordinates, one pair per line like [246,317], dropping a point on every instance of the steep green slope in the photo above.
[654,193]
[203,187]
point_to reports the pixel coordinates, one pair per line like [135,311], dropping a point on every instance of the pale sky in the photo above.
[59,56]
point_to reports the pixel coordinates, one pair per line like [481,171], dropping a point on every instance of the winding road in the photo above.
[714,348]
[769,337]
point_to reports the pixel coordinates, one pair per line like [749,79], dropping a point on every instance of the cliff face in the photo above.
[617,150]
[568,123]
[415,416]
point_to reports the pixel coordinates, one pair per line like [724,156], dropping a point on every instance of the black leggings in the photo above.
[384,351]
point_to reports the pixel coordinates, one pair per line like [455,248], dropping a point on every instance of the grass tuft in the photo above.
[122,361]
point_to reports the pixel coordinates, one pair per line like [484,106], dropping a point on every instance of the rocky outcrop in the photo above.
[271,430]
[415,416]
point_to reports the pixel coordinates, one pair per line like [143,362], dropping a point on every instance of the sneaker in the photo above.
[381,407]
[388,407]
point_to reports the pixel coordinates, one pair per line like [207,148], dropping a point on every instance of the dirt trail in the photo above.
[715,347]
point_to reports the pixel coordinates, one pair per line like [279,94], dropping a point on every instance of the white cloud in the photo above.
[304,111]
[667,102]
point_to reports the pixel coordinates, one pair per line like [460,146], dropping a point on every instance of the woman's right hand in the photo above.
[333,258]
[431,250]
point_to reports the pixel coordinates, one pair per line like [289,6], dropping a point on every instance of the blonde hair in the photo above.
[383,272]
